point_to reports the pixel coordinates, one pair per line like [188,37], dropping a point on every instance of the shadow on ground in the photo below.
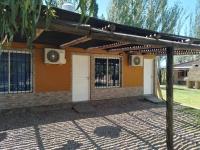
[2,136]
[115,124]
[24,117]
[108,131]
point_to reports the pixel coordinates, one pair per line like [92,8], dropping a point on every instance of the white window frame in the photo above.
[120,71]
[31,75]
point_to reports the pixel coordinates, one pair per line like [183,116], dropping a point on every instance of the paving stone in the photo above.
[125,123]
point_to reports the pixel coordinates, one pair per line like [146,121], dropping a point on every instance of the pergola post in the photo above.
[169,102]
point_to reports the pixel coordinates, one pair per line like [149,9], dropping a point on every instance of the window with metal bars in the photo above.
[107,72]
[15,72]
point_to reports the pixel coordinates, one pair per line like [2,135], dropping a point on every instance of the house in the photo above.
[193,80]
[73,62]
[181,71]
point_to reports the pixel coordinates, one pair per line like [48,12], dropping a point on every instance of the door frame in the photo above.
[153,74]
[89,73]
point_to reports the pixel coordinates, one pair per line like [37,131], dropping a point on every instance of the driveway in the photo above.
[126,123]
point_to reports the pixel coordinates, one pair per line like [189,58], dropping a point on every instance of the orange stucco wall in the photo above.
[58,77]
[132,76]
[51,77]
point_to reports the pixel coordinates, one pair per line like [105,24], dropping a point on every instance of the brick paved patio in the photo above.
[116,124]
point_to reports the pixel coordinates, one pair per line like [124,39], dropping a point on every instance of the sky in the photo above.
[188,5]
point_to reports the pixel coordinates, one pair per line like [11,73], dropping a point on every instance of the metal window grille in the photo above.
[15,72]
[107,72]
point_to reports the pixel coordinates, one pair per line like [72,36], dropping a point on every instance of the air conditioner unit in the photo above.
[54,56]
[136,60]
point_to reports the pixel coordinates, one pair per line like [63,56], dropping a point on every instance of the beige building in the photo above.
[181,71]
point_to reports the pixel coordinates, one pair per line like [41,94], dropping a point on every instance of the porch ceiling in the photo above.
[58,38]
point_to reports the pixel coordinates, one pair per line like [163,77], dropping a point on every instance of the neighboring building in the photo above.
[193,80]
[181,71]
[93,61]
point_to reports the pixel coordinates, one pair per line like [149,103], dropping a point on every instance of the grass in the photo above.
[187,97]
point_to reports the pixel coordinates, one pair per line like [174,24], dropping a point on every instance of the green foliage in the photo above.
[185,96]
[150,14]
[96,9]
[129,12]
[197,20]
[184,58]
[22,16]
[85,7]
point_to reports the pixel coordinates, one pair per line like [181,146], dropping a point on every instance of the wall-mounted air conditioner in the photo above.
[54,56]
[136,60]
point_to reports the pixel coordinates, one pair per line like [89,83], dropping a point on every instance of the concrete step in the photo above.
[153,99]
[84,107]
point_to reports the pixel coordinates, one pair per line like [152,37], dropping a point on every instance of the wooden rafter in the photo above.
[109,45]
[163,51]
[175,53]
[155,50]
[4,40]
[38,33]
[76,41]
[110,27]
[133,48]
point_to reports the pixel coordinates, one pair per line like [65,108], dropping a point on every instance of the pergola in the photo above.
[67,31]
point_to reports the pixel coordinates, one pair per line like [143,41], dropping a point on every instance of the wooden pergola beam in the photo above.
[39,31]
[98,34]
[75,28]
[117,44]
[164,54]
[169,95]
[4,40]
[150,51]
[135,48]
[76,41]
[162,51]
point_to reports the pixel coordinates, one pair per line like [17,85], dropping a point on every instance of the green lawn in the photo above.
[185,96]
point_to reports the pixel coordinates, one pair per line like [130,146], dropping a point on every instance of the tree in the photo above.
[197,20]
[128,12]
[96,9]
[183,59]
[149,14]
[102,17]
[193,31]
[22,16]
[59,3]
